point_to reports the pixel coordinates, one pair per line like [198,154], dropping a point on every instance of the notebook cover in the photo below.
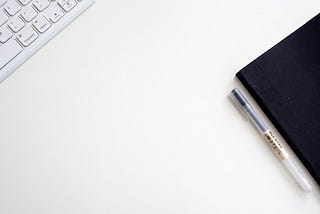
[285,82]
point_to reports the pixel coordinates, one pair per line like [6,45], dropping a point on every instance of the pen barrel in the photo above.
[276,146]
[293,168]
[297,173]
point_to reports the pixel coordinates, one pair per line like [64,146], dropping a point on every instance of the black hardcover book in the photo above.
[285,82]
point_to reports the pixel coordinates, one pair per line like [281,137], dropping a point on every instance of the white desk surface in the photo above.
[126,111]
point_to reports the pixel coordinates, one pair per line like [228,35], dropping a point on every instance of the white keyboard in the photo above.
[26,25]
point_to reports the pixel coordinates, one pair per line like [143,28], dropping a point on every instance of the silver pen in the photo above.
[297,173]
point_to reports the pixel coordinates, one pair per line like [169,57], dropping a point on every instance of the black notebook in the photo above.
[285,82]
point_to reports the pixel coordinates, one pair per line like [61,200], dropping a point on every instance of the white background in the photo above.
[126,111]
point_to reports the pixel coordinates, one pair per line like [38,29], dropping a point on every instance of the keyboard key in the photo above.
[54,13]
[41,4]
[41,24]
[2,2]
[28,13]
[15,24]
[69,5]
[5,34]
[62,2]
[26,36]
[12,7]
[8,51]
[24,2]
[3,17]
